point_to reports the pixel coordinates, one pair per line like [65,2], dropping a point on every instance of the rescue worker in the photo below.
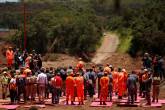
[56,83]
[115,80]
[104,82]
[147,79]
[107,68]
[4,83]
[125,81]
[132,87]
[79,80]
[70,85]
[120,83]
[42,82]
[9,57]
[156,87]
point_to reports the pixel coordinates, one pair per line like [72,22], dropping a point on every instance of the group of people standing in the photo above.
[30,79]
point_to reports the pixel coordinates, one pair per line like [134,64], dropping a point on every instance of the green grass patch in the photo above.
[125,37]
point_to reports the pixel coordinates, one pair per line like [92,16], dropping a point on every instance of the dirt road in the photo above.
[109,46]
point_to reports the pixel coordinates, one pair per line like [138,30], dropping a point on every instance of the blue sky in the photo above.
[9,0]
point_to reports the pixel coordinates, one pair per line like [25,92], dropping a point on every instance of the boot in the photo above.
[100,102]
[104,103]
[67,103]
[72,103]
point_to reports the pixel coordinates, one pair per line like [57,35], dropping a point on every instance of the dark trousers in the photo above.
[56,95]
[85,90]
[148,97]
[110,92]
[132,95]
[21,90]
[142,89]
[91,90]
[13,96]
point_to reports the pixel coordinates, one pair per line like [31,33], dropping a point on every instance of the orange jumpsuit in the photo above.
[9,57]
[115,81]
[104,82]
[125,82]
[80,88]
[120,84]
[70,84]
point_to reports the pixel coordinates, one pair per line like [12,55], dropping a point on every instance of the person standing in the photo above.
[132,87]
[104,83]
[156,87]
[120,84]
[13,89]
[56,83]
[99,76]
[91,83]
[70,86]
[9,57]
[4,82]
[110,86]
[79,80]
[147,79]
[42,82]
[115,80]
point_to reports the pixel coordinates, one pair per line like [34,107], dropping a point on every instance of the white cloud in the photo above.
[9,0]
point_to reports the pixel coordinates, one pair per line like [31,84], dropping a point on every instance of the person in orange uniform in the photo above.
[125,81]
[79,80]
[70,84]
[120,84]
[115,80]
[104,83]
[9,57]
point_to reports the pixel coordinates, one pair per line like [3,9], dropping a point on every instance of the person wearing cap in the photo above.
[107,68]
[9,57]
[110,85]
[115,81]
[56,83]
[70,85]
[120,83]
[132,87]
[104,83]
[42,82]
[4,83]
[147,80]
[79,80]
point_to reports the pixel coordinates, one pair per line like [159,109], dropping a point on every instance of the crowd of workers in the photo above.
[30,79]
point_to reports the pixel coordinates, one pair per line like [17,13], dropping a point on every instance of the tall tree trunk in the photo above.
[117,5]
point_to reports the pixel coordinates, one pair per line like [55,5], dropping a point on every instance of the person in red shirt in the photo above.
[56,83]
[70,85]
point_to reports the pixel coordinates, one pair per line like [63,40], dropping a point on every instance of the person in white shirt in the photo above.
[42,82]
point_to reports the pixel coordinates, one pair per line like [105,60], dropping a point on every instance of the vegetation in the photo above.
[76,26]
